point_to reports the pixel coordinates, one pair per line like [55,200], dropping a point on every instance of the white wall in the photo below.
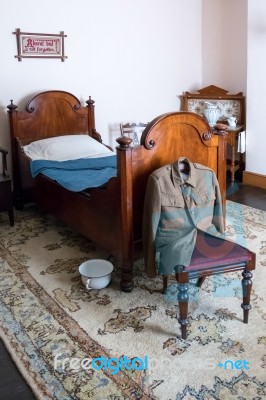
[256,87]
[136,57]
[234,58]
[133,57]
[224,44]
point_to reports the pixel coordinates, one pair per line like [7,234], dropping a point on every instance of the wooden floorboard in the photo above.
[13,386]
[248,195]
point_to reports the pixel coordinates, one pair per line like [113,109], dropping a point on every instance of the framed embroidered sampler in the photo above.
[40,45]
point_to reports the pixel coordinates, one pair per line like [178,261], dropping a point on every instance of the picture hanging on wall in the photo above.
[40,45]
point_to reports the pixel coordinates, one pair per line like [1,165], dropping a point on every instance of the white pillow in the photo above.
[68,147]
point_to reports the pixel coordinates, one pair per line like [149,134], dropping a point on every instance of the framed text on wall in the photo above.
[40,45]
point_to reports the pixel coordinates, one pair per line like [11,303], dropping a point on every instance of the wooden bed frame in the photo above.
[110,217]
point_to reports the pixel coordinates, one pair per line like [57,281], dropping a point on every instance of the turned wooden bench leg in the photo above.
[165,282]
[183,297]
[200,281]
[246,287]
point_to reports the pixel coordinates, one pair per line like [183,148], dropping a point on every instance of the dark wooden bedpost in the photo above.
[220,130]
[17,192]
[124,165]
[91,120]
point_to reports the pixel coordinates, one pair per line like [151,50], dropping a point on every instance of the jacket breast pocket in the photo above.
[171,200]
[202,198]
[172,213]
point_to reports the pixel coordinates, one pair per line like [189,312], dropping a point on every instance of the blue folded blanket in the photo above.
[77,175]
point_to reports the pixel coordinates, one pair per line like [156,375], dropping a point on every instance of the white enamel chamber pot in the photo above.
[96,273]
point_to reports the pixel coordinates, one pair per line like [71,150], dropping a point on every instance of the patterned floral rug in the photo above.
[108,345]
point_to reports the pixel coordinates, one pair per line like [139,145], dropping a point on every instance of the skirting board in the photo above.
[250,178]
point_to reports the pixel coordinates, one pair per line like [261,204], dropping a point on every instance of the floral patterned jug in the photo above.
[211,113]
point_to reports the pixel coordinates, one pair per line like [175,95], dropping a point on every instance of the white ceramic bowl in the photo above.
[96,274]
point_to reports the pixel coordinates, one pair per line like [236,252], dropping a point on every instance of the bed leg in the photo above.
[18,201]
[126,282]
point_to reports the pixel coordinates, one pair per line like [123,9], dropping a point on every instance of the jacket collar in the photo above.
[177,176]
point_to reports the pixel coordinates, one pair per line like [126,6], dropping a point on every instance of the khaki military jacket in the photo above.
[176,206]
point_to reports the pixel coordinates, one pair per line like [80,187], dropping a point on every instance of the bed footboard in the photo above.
[165,139]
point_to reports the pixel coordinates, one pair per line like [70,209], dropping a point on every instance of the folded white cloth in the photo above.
[241,145]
